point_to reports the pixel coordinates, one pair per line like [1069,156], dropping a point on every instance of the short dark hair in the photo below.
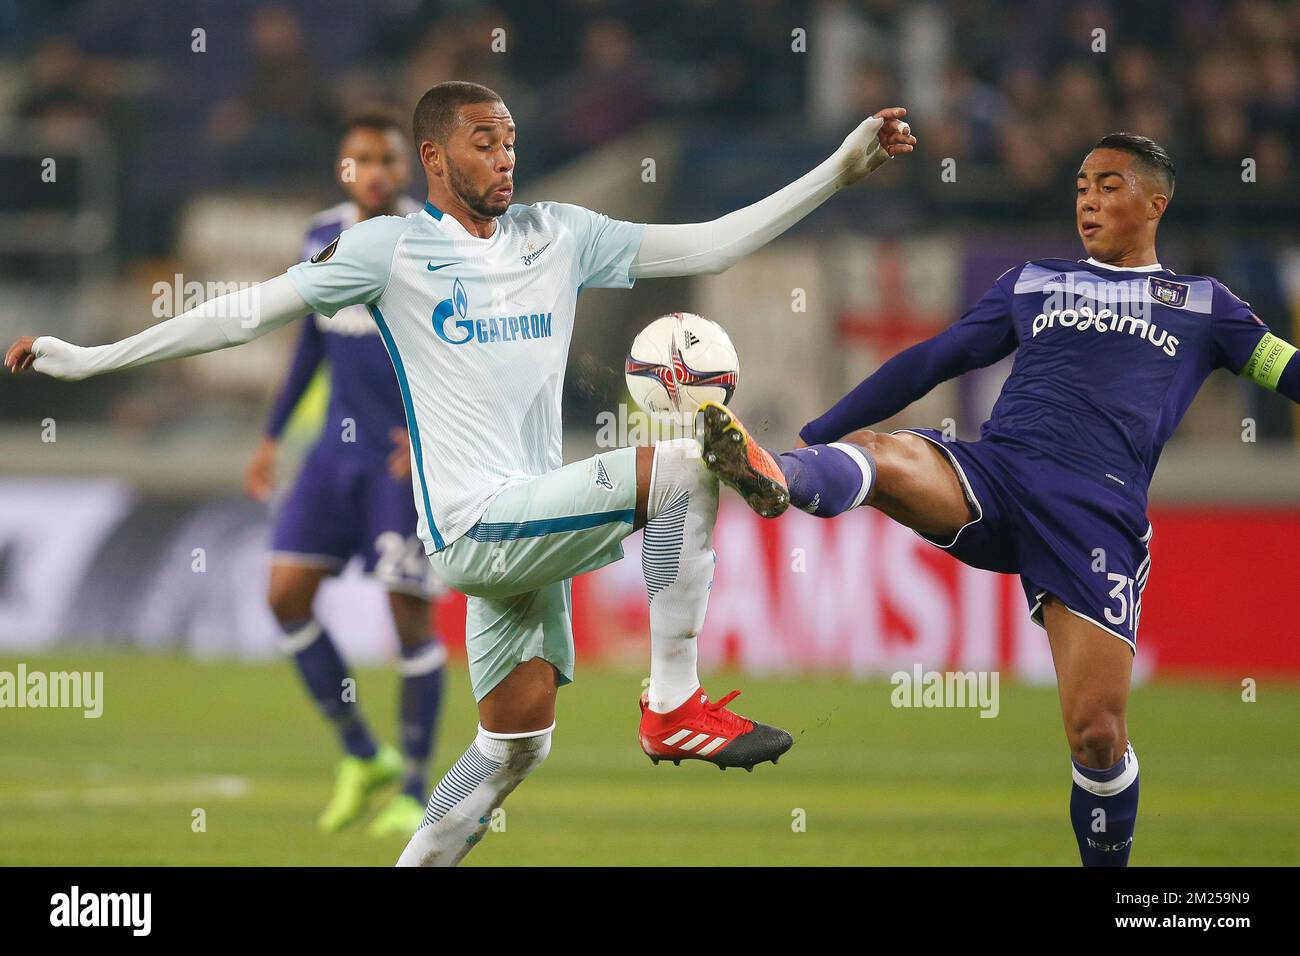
[371,119]
[1151,156]
[435,114]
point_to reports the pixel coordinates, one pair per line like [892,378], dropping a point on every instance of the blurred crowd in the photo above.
[249,94]
[1215,82]
[151,104]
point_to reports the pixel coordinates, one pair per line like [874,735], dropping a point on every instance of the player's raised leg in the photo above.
[677,499]
[903,475]
[366,765]
[1093,671]
[514,563]
[419,703]
[573,520]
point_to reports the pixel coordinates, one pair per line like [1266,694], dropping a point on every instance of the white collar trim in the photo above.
[1157,267]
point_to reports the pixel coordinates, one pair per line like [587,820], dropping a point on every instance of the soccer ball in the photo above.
[679,362]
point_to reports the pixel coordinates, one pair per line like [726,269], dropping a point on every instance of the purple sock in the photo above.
[826,480]
[421,699]
[324,672]
[1103,810]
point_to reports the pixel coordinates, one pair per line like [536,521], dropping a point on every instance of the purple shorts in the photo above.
[1083,539]
[346,504]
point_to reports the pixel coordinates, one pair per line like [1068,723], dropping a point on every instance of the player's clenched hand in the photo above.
[45,354]
[20,356]
[874,142]
[399,459]
[259,478]
[895,135]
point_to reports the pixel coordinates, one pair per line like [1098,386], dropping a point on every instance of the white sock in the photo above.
[677,559]
[460,810]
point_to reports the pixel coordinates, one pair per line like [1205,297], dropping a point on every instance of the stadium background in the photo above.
[186,157]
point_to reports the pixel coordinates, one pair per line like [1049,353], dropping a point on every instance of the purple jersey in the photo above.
[363,386]
[1107,360]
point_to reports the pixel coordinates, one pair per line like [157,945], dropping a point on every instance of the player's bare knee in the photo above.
[524,700]
[1096,738]
[898,462]
[290,603]
[866,438]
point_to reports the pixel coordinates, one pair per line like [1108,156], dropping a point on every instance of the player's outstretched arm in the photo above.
[712,247]
[903,379]
[218,323]
[982,336]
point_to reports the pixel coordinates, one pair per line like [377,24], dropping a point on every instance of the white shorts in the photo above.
[516,561]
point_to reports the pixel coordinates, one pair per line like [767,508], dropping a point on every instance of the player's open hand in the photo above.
[399,459]
[876,140]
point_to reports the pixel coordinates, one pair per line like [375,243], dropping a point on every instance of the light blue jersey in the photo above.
[478,331]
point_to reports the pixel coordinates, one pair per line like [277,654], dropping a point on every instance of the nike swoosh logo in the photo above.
[432,268]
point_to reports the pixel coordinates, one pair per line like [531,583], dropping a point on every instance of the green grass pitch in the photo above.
[870,784]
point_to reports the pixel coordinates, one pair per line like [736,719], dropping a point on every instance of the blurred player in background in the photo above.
[353,498]
[1110,351]
[476,298]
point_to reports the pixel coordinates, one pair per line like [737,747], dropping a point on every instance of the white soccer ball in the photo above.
[679,362]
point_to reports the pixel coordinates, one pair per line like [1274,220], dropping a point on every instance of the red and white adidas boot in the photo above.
[731,453]
[701,729]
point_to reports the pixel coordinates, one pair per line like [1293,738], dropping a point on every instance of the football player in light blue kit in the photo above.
[475,300]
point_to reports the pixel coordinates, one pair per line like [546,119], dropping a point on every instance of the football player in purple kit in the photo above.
[353,497]
[1109,353]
